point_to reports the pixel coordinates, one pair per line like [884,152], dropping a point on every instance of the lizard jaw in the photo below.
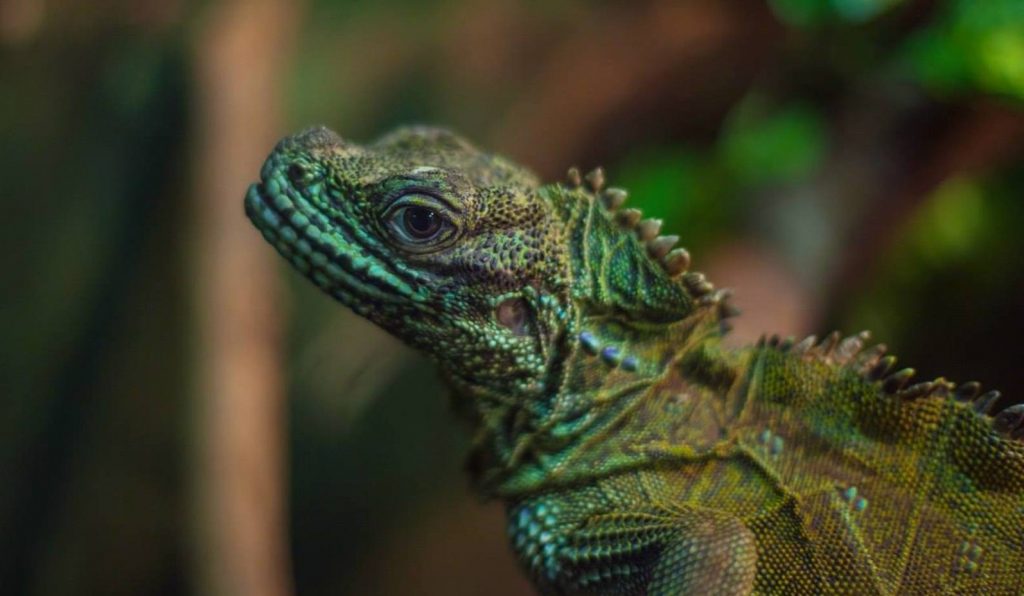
[317,248]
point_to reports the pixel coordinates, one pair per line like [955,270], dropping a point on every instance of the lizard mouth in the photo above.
[318,247]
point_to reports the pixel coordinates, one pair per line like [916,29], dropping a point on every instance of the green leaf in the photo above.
[762,146]
[800,13]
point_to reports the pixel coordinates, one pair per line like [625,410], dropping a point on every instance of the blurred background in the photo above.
[181,413]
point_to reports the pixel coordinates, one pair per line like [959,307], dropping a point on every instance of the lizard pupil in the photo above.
[421,222]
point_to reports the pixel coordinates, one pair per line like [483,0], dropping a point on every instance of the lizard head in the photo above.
[465,256]
[446,247]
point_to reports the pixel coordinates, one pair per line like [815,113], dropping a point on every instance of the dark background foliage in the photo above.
[182,413]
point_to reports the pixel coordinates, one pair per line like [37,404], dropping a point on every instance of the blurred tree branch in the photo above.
[609,67]
[240,58]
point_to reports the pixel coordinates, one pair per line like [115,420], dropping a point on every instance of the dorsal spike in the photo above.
[628,218]
[805,344]
[881,368]
[697,283]
[871,356]
[968,391]
[917,390]
[851,346]
[942,388]
[648,229]
[660,246]
[727,309]
[573,176]
[829,343]
[614,198]
[677,261]
[715,297]
[984,404]
[897,380]
[1009,420]
[595,178]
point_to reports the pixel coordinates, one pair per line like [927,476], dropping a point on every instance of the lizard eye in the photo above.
[419,222]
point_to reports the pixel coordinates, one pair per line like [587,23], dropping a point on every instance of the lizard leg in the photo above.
[648,551]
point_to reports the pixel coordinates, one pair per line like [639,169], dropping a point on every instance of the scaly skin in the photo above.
[636,453]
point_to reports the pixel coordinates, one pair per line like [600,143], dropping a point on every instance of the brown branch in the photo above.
[239,491]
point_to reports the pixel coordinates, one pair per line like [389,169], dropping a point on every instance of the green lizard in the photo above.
[636,454]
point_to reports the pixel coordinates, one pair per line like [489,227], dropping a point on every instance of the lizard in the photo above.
[634,451]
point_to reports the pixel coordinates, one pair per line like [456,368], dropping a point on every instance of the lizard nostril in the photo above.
[297,174]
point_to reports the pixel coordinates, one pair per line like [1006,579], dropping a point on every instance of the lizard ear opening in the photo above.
[514,315]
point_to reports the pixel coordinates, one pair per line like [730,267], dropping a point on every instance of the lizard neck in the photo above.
[624,325]
[607,405]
